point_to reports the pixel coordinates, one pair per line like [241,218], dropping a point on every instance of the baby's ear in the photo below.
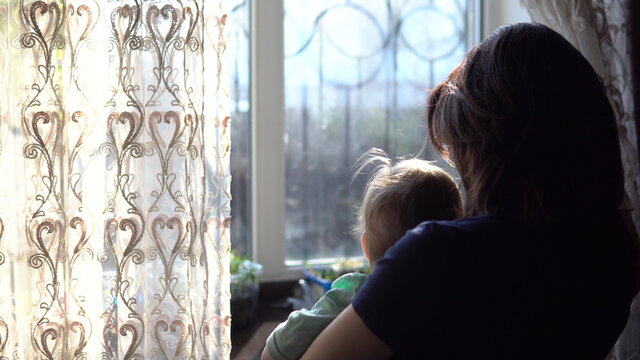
[459,212]
[363,243]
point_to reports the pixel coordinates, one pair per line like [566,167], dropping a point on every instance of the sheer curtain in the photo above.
[599,29]
[114,181]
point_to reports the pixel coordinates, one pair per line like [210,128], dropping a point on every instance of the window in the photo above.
[313,90]
[356,75]
[239,62]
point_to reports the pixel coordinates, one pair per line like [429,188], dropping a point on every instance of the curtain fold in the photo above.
[114,180]
[600,30]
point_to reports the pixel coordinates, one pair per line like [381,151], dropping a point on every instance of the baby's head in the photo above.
[401,196]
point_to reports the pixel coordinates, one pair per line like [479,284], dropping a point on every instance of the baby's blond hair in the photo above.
[399,197]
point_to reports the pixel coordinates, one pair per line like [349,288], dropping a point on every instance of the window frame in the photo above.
[267,112]
[267,141]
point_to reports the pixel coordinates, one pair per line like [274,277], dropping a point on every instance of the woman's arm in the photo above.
[347,337]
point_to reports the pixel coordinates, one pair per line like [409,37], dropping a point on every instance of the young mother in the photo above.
[541,267]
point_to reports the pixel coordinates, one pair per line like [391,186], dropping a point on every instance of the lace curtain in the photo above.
[599,29]
[114,181]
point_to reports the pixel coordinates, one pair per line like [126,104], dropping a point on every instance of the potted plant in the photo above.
[244,290]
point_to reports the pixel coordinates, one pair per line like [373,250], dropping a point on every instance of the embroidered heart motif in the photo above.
[167,232]
[42,21]
[126,330]
[48,335]
[121,238]
[214,28]
[43,129]
[124,22]
[165,129]
[77,129]
[78,223]
[80,22]
[171,336]
[45,237]
[215,227]
[163,31]
[78,328]
[123,129]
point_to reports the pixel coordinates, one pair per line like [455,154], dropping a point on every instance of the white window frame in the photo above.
[267,122]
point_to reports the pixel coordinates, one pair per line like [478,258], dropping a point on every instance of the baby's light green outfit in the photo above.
[293,337]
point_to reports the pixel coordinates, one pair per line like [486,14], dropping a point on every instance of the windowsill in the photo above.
[293,269]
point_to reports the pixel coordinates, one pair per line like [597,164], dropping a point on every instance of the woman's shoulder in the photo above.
[441,233]
[455,227]
[500,278]
[507,231]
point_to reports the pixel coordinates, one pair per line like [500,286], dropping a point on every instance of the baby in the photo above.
[397,198]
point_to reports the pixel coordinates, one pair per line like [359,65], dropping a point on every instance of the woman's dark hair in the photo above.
[527,123]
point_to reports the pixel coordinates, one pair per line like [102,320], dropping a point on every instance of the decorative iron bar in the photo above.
[356,75]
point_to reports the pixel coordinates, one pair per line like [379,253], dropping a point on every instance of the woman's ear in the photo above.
[363,243]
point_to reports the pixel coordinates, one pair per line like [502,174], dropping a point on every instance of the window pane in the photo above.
[238,57]
[356,74]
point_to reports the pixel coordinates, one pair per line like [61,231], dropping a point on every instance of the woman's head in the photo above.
[401,196]
[527,123]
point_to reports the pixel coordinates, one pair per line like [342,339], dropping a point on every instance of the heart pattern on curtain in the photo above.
[114,185]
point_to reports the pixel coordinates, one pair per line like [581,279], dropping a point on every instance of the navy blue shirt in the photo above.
[488,288]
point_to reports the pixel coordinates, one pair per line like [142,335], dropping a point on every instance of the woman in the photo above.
[541,266]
